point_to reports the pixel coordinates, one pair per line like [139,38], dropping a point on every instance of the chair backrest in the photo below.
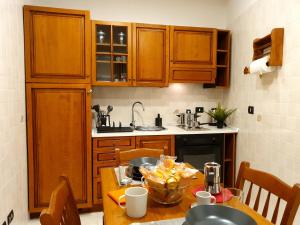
[274,186]
[62,208]
[124,156]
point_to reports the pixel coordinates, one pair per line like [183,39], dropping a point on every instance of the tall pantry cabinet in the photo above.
[57,59]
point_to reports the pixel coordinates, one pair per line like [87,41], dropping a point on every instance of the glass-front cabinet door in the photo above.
[111,54]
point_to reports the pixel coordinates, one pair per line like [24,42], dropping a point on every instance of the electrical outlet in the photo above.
[10,217]
[199,109]
[251,109]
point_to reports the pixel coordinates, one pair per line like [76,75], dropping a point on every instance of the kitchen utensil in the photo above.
[205,198]
[217,214]
[189,118]
[135,164]
[109,109]
[181,120]
[212,177]
[136,201]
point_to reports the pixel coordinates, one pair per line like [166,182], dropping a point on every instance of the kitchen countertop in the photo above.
[170,130]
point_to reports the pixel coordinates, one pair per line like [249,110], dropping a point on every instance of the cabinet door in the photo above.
[157,142]
[150,55]
[57,45]
[111,54]
[193,47]
[59,141]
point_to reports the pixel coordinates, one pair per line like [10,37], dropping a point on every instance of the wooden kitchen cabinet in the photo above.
[165,142]
[193,54]
[57,45]
[104,154]
[59,141]
[150,55]
[111,54]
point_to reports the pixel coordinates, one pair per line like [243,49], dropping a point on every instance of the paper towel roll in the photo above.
[260,66]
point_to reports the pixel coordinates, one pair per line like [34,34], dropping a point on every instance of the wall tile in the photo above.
[271,144]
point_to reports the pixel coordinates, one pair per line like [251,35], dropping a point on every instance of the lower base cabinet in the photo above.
[58,138]
[104,154]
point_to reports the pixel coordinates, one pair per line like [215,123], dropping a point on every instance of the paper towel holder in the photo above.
[272,45]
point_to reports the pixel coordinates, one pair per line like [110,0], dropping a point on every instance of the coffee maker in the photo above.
[212,178]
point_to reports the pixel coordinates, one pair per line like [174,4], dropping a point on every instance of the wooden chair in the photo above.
[62,208]
[274,186]
[123,157]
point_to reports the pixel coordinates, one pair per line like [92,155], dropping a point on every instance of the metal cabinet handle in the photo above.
[90,91]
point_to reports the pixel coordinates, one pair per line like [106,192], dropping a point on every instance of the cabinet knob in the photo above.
[90,91]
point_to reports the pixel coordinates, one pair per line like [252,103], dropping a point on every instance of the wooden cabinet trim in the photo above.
[85,62]
[187,75]
[97,196]
[100,143]
[156,140]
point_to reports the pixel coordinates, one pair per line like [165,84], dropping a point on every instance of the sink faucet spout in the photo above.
[132,124]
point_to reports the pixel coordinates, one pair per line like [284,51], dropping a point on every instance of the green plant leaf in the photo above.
[220,113]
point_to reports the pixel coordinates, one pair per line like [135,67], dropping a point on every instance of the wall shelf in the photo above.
[271,44]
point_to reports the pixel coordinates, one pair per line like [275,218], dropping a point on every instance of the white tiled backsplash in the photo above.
[156,100]
[271,144]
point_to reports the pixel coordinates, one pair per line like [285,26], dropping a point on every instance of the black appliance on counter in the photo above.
[197,149]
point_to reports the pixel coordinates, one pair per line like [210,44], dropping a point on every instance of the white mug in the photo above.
[205,198]
[136,201]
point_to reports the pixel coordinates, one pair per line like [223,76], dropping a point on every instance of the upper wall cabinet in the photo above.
[150,55]
[193,54]
[57,45]
[111,54]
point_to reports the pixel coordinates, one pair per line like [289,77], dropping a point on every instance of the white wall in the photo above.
[13,166]
[273,143]
[210,13]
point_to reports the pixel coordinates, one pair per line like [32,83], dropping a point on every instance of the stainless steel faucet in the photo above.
[132,112]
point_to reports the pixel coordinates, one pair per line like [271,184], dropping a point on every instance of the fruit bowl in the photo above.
[165,195]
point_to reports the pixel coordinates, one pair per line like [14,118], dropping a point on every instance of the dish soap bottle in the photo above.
[158,121]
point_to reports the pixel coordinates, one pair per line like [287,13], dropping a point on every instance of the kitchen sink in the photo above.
[149,128]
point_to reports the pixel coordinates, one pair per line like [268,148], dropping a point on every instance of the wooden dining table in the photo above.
[115,215]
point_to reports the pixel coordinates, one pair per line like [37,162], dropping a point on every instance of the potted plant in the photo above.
[220,114]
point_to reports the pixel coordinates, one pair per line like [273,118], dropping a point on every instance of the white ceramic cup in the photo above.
[136,201]
[205,198]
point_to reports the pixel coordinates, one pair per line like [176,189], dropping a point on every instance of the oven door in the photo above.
[199,149]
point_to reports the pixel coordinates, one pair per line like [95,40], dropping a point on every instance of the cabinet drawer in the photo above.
[97,191]
[193,75]
[109,144]
[99,157]
[98,165]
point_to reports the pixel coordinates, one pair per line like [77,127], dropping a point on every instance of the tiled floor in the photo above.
[86,219]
